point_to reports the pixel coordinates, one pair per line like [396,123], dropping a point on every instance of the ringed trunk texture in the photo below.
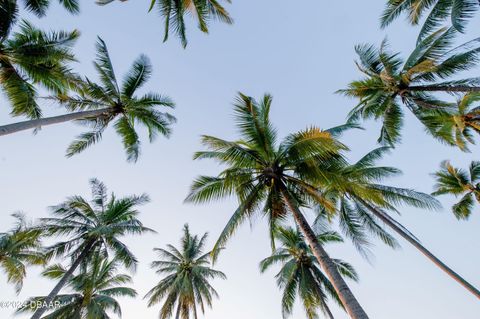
[31,124]
[439,88]
[40,311]
[352,306]
[422,249]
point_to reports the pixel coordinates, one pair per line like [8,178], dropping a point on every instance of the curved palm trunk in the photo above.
[41,310]
[31,124]
[351,304]
[440,88]
[388,221]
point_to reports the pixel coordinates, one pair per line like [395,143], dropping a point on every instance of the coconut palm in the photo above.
[174,12]
[39,8]
[459,182]
[187,275]
[459,12]
[30,58]
[9,10]
[8,16]
[300,273]
[274,179]
[390,81]
[364,206]
[97,105]
[457,124]
[93,291]
[92,227]
[20,247]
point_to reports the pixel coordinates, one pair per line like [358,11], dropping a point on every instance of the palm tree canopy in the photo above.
[98,224]
[31,57]
[93,291]
[120,103]
[20,247]
[174,12]
[459,12]
[390,81]
[455,125]
[300,275]
[363,182]
[260,171]
[187,275]
[459,182]
[9,10]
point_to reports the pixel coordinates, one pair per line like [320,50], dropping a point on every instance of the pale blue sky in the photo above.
[301,54]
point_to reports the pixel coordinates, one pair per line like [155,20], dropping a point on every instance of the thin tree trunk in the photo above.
[440,88]
[41,310]
[352,306]
[31,124]
[388,221]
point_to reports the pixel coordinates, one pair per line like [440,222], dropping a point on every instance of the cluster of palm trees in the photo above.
[89,233]
[287,180]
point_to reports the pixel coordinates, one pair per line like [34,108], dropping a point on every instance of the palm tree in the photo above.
[363,205]
[459,182]
[188,273]
[390,81]
[20,247]
[457,124]
[300,274]
[92,227]
[459,12]
[174,12]
[97,105]
[274,179]
[9,11]
[31,57]
[93,291]
[39,8]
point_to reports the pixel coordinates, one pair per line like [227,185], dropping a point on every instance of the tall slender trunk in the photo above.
[30,124]
[41,310]
[388,221]
[444,88]
[352,306]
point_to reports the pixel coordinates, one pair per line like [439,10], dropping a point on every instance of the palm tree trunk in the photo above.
[351,304]
[440,88]
[388,221]
[26,125]
[40,311]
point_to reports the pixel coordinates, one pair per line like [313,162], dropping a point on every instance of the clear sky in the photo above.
[301,52]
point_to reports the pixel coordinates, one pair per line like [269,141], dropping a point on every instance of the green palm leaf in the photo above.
[187,275]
